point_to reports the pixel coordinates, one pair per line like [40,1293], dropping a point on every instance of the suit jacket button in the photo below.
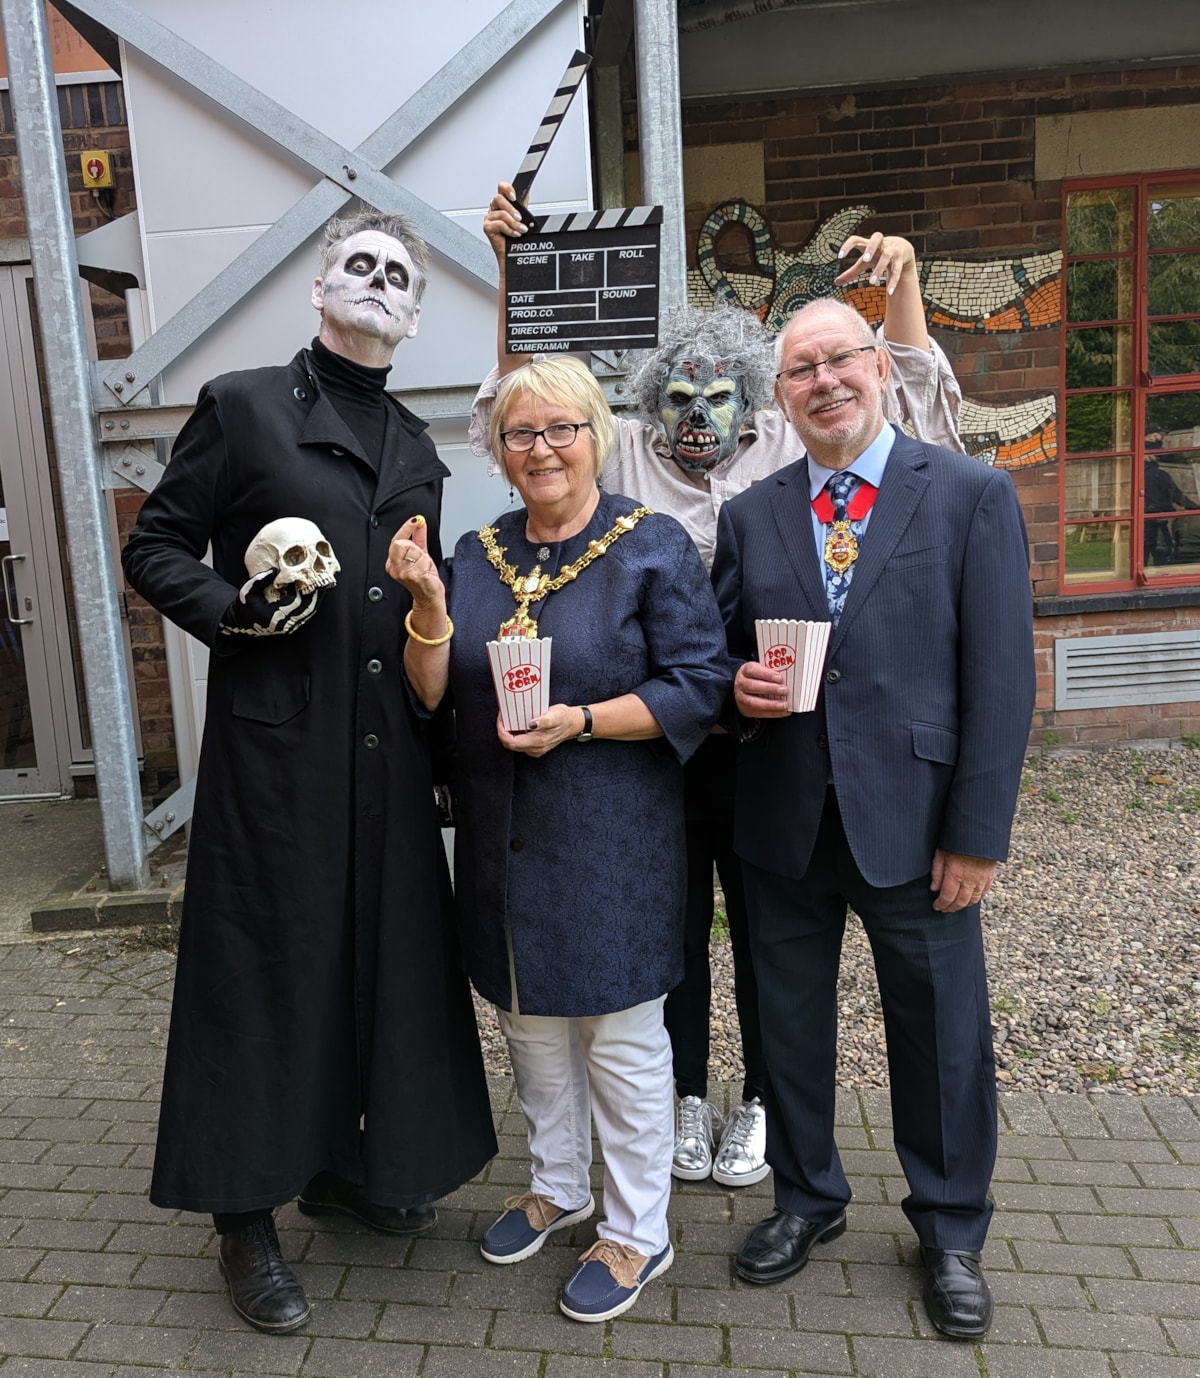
[300,395]
[832,676]
[370,741]
[374,666]
[822,740]
[374,593]
[337,450]
[516,844]
[374,521]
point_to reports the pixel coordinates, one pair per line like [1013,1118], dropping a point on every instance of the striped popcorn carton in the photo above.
[521,674]
[798,650]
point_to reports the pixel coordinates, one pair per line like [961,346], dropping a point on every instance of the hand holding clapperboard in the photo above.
[585,280]
[581,281]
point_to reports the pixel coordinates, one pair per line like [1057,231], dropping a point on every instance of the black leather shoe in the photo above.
[329,1194]
[262,1287]
[780,1245]
[956,1294]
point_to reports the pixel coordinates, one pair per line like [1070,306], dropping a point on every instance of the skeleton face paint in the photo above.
[701,408]
[366,298]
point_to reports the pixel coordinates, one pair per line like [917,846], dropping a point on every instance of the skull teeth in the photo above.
[697,440]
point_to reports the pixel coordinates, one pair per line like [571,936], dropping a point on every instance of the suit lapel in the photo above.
[904,483]
[793,517]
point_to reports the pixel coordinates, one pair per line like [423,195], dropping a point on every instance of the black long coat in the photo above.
[319,985]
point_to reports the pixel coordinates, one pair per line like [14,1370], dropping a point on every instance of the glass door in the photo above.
[34,756]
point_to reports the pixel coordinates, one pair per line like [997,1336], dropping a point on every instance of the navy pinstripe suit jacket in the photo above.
[924,712]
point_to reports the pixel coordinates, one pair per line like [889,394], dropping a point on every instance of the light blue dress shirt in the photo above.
[869,466]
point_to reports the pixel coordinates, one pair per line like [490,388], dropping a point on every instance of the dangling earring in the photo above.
[512,497]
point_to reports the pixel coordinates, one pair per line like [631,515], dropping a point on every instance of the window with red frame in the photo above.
[1131,383]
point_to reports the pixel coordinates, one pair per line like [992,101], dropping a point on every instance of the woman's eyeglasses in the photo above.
[558,436]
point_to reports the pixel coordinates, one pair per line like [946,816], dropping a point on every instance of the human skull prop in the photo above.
[296,548]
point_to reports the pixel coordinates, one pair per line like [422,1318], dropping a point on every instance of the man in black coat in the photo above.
[893,796]
[323,1041]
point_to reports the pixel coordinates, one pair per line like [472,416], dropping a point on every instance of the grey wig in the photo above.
[726,334]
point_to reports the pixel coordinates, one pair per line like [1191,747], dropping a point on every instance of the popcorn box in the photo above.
[798,649]
[521,674]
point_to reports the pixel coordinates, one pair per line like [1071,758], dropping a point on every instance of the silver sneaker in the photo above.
[742,1156]
[697,1127]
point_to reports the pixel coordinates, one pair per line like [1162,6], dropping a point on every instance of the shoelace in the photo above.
[621,1260]
[691,1121]
[743,1126]
[540,1211]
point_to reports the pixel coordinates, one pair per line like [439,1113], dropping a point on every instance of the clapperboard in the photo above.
[583,280]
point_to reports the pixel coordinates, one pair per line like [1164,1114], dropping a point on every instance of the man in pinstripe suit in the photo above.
[895,796]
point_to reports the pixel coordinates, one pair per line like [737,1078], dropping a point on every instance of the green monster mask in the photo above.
[701,407]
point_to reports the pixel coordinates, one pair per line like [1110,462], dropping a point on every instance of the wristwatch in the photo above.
[586,734]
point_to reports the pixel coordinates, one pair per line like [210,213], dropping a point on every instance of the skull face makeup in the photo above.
[367,299]
[702,408]
[711,371]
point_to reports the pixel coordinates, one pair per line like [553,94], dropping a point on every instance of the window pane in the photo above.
[1172,546]
[1101,358]
[1173,348]
[1097,488]
[1172,216]
[1100,291]
[1096,551]
[1173,284]
[1100,222]
[1171,482]
[1177,415]
[1099,421]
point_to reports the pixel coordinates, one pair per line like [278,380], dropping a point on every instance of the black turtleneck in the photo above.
[357,395]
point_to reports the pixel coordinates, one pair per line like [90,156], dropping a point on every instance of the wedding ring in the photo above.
[410,559]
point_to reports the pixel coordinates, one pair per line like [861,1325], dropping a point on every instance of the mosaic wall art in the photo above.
[996,296]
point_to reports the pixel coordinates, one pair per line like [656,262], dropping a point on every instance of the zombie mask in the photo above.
[368,291]
[702,406]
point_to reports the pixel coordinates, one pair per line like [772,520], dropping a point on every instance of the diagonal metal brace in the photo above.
[348,174]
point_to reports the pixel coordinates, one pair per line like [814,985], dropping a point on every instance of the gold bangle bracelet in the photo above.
[424,640]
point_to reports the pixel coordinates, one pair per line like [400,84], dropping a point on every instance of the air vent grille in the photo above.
[1110,671]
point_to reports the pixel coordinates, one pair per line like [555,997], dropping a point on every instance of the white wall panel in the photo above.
[207,184]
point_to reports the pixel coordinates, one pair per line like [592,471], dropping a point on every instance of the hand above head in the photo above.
[410,564]
[501,221]
[959,880]
[885,257]
[759,692]
[559,723]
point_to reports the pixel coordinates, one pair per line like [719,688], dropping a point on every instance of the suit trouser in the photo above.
[933,987]
[616,1067]
[709,782]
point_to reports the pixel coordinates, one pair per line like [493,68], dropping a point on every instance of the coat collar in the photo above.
[409,458]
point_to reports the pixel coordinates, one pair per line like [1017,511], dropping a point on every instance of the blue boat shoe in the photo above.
[527,1220]
[609,1280]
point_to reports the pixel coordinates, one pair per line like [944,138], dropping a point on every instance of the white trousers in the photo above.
[616,1067]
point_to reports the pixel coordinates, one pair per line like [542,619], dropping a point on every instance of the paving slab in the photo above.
[1094,1255]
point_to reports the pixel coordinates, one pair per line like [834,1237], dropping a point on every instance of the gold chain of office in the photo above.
[531,587]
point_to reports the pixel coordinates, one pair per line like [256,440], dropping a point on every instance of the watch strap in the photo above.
[586,734]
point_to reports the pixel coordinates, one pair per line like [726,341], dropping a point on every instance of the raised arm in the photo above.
[501,223]
[890,258]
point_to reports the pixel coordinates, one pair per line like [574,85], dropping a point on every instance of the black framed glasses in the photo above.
[558,436]
[803,375]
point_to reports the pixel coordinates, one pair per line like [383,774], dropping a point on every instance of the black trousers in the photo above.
[709,786]
[933,986]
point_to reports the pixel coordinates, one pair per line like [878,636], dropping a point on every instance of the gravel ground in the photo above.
[1092,931]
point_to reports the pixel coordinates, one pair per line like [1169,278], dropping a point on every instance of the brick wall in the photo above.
[951,167]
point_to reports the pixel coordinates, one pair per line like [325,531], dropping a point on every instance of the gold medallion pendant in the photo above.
[841,547]
[529,588]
